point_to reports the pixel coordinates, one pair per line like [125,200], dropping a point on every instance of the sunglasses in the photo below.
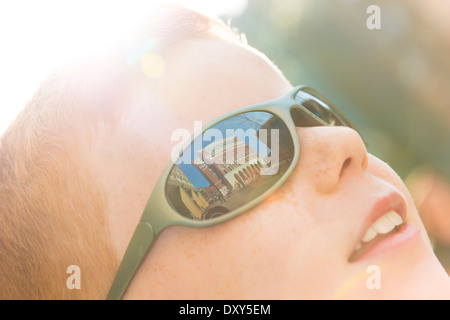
[230,166]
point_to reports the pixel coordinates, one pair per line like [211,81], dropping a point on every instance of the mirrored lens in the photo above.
[229,165]
[318,108]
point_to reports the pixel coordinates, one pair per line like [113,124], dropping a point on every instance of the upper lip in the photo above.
[392,201]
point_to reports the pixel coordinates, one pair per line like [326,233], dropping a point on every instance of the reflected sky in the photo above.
[250,120]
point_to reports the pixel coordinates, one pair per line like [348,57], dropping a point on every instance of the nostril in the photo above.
[345,165]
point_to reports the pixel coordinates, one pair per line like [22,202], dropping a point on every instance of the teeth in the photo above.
[383,225]
[370,234]
[395,218]
[387,222]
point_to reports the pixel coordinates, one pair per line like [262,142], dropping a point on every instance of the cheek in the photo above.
[254,254]
[274,250]
[298,257]
[257,246]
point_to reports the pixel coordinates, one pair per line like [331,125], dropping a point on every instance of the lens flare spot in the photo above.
[153,65]
[141,50]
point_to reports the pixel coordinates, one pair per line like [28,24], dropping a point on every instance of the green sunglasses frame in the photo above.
[159,214]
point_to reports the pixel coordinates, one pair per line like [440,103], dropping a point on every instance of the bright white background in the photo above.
[36,36]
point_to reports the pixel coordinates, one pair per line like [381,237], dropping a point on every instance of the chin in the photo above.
[417,275]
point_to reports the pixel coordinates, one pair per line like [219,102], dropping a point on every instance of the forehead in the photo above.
[210,77]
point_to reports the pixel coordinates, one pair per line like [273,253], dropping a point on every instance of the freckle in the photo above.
[190,256]
[256,250]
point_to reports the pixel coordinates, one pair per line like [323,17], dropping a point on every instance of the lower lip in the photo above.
[399,240]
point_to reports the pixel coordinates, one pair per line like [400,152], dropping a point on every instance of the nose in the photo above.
[330,154]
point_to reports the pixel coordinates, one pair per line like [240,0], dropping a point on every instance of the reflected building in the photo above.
[185,197]
[210,193]
[229,164]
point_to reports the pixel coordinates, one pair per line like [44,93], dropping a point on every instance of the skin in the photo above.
[294,245]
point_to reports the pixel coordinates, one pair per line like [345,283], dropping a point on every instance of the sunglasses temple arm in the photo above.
[139,245]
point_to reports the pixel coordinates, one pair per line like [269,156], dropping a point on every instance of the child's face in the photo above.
[298,243]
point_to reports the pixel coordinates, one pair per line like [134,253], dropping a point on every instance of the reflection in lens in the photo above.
[229,165]
[318,108]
